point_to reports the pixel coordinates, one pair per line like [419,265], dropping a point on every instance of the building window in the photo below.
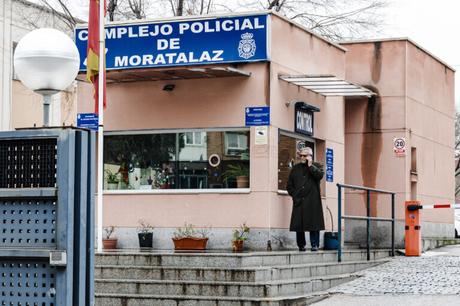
[176,160]
[193,138]
[236,143]
[287,155]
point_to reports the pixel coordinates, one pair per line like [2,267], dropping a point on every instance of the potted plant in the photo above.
[331,239]
[240,173]
[109,242]
[112,180]
[239,236]
[145,234]
[188,238]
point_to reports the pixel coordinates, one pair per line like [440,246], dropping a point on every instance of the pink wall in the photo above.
[416,102]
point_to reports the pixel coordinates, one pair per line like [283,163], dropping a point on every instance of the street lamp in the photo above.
[46,61]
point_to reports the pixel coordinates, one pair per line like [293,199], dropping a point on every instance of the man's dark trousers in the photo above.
[314,239]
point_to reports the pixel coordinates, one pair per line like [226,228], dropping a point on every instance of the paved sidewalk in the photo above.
[433,279]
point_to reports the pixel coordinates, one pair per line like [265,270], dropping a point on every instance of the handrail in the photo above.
[368,218]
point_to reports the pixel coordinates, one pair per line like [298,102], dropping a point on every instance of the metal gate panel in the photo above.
[46,219]
[29,282]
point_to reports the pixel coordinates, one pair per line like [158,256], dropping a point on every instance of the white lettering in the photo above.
[174,43]
[160,59]
[246,24]
[121,32]
[227,25]
[162,44]
[181,58]
[183,27]
[205,56]
[166,29]
[121,61]
[207,27]
[197,27]
[131,33]
[134,60]
[110,33]
[257,25]
[83,35]
[170,57]
[143,31]
[217,54]
[147,59]
[191,58]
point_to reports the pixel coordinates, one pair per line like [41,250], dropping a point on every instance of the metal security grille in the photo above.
[28,223]
[27,283]
[28,163]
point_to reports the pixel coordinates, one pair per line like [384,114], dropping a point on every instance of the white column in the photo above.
[6,65]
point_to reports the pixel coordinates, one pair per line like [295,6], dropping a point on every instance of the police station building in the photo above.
[205,116]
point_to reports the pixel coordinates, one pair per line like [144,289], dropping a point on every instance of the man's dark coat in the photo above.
[303,187]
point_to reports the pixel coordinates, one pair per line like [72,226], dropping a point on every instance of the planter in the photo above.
[145,240]
[109,244]
[112,186]
[331,240]
[190,243]
[237,245]
[242,181]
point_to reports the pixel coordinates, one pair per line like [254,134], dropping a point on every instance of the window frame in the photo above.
[178,131]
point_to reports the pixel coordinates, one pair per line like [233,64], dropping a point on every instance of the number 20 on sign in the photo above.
[399,146]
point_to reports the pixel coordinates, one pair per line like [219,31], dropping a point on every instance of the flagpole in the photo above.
[100,136]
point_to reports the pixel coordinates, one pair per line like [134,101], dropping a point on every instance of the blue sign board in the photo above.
[329,165]
[88,121]
[182,42]
[257,115]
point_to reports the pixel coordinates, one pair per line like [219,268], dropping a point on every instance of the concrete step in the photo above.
[232,260]
[236,294]
[250,274]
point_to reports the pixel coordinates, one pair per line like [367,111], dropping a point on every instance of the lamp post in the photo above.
[46,61]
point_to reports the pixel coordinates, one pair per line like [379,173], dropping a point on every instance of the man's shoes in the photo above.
[314,249]
[302,249]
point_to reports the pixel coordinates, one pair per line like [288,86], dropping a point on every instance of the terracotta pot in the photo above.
[190,243]
[109,244]
[242,181]
[237,245]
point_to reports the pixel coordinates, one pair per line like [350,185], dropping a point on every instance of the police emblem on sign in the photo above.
[247,46]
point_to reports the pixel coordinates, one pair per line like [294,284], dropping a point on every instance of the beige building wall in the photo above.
[415,101]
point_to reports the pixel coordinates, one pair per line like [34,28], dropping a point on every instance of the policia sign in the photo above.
[180,43]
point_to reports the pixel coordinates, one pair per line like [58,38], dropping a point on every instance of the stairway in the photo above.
[217,279]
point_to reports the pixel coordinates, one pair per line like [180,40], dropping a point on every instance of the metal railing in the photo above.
[368,218]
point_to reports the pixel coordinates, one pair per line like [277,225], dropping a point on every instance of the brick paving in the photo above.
[428,275]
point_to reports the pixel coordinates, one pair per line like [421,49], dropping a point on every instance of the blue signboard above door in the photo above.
[182,42]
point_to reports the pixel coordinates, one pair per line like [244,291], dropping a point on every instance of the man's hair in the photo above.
[306,150]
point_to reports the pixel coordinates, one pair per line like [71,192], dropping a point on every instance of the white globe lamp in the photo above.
[46,61]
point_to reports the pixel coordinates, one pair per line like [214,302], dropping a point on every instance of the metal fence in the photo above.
[368,218]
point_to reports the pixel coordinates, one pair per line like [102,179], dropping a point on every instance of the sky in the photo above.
[434,25]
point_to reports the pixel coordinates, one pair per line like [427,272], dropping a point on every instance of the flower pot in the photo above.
[237,245]
[145,240]
[242,181]
[331,240]
[109,244]
[112,186]
[190,243]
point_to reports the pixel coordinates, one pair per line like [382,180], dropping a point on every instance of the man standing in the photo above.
[307,210]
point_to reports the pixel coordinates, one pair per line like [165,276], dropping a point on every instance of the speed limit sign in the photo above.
[399,146]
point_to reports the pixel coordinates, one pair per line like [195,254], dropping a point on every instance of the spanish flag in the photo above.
[93,52]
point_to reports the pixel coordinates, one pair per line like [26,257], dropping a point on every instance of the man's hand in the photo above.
[309,160]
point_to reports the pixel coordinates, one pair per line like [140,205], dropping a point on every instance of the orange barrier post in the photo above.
[413,239]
